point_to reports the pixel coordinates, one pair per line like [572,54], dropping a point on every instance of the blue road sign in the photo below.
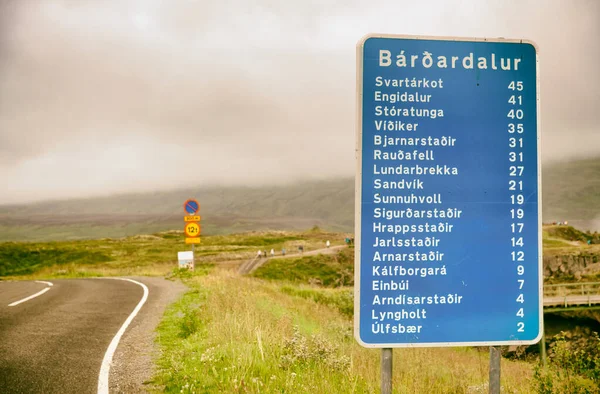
[191,206]
[448,205]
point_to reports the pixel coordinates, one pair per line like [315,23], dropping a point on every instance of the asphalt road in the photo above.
[55,342]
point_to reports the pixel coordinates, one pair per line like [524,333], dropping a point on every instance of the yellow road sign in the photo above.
[191,218]
[194,240]
[192,229]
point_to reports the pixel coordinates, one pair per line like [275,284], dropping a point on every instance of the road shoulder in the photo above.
[133,362]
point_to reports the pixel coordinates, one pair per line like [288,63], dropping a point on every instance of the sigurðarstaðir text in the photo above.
[409,213]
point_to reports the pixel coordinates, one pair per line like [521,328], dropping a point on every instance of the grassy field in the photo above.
[154,255]
[232,334]
[287,327]
[326,270]
[69,228]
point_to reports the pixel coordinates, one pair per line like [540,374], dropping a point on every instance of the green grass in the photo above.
[569,233]
[18,259]
[285,329]
[341,299]
[157,255]
[41,229]
[154,255]
[233,334]
[41,232]
[555,243]
[273,240]
[327,270]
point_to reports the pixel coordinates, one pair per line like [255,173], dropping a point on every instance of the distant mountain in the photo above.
[571,192]
[327,204]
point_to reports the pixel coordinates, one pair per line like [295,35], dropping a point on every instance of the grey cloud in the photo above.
[243,92]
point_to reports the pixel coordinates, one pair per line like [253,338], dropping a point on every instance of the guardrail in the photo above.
[572,294]
[567,289]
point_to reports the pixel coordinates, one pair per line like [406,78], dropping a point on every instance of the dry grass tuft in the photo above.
[255,338]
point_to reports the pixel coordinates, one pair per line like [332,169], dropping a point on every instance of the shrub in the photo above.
[574,364]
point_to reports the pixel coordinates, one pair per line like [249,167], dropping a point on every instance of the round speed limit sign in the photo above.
[192,229]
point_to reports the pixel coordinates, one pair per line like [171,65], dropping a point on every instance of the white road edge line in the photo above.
[107,361]
[47,283]
[39,293]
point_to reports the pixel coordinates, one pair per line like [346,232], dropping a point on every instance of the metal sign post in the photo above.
[494,383]
[448,193]
[387,363]
[192,227]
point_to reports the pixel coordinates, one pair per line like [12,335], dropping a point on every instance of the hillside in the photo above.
[570,193]
[328,204]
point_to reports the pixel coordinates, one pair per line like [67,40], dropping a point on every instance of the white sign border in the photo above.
[358,193]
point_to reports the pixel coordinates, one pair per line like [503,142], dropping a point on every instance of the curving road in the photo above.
[56,341]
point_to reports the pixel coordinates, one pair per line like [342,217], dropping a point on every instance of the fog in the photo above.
[106,96]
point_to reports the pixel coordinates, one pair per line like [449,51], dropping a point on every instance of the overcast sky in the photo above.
[111,96]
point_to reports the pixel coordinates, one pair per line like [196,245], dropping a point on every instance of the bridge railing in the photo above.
[572,289]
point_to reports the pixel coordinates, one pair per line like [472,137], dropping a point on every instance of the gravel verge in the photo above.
[133,362]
